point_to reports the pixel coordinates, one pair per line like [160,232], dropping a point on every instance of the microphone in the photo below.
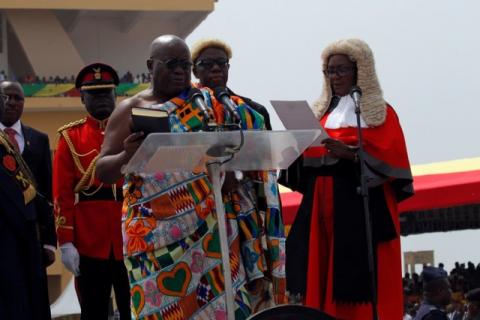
[222,95]
[356,94]
[196,96]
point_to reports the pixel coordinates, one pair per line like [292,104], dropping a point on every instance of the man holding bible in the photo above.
[171,239]
[88,212]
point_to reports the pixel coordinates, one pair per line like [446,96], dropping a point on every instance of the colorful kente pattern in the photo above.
[171,240]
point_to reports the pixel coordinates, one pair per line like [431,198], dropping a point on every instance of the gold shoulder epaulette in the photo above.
[71,124]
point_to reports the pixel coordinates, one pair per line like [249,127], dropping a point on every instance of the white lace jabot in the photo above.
[343,115]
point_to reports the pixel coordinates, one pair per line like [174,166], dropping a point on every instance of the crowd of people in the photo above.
[462,279]
[128,77]
[33,79]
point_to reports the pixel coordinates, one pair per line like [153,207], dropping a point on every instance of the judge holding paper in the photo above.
[327,260]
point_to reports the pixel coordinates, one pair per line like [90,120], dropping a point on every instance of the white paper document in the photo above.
[297,115]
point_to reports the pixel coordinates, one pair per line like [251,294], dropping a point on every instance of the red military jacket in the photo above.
[86,211]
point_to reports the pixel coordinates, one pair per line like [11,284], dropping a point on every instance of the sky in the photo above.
[427,60]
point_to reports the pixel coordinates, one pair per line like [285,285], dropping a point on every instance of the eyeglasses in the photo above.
[4,97]
[14,97]
[209,63]
[174,63]
[340,71]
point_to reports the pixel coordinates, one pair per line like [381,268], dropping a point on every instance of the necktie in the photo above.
[11,135]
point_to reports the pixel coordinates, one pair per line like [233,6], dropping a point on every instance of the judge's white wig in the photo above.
[372,104]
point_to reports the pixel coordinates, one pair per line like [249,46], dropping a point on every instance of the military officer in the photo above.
[436,294]
[88,212]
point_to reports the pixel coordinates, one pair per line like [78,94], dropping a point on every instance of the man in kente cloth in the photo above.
[171,239]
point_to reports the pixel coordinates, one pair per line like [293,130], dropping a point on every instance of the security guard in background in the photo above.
[436,294]
[473,306]
[88,212]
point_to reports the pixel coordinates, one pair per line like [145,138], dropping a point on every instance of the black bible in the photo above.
[150,120]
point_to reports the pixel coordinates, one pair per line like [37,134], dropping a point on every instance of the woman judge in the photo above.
[327,260]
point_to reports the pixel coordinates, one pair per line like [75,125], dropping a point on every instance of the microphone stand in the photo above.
[205,125]
[222,154]
[363,191]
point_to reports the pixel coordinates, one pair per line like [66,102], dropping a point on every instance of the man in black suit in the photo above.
[23,281]
[34,147]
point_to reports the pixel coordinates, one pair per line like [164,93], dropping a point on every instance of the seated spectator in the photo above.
[407,281]
[457,268]
[137,79]
[417,284]
[413,310]
[406,312]
[129,77]
[473,304]
[456,310]
[476,279]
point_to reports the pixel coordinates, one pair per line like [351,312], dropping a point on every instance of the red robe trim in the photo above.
[386,154]
[384,146]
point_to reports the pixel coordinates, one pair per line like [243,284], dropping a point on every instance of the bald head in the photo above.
[166,43]
[170,66]
[11,84]
[14,106]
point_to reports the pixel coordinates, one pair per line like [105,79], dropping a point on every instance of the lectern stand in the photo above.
[213,152]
